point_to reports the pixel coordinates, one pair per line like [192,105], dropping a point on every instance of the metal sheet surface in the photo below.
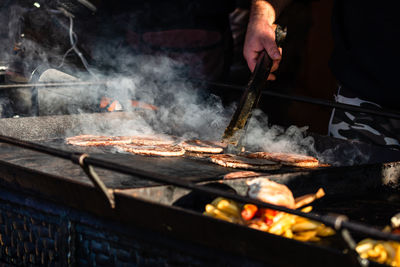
[63,182]
[183,168]
[59,126]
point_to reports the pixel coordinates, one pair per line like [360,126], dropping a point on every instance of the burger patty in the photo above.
[152,140]
[165,150]
[241,174]
[98,140]
[203,146]
[242,162]
[289,159]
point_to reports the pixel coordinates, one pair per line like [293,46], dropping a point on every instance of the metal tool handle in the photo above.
[264,64]
[259,82]
[236,129]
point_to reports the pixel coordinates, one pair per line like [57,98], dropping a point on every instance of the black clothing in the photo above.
[363,127]
[367,49]
[194,33]
[152,15]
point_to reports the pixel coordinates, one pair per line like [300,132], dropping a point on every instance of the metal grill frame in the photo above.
[37,232]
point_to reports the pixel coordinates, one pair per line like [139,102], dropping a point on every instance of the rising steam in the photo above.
[264,137]
[184,109]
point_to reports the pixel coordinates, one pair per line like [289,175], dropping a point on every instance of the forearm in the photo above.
[261,32]
[267,11]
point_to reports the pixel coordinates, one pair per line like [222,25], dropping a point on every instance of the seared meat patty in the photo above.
[164,150]
[289,159]
[242,162]
[98,140]
[203,146]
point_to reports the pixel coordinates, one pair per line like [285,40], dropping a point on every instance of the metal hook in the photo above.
[348,239]
[88,169]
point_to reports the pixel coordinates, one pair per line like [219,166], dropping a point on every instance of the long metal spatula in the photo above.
[236,130]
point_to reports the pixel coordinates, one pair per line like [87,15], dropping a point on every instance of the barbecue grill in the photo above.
[52,213]
[64,205]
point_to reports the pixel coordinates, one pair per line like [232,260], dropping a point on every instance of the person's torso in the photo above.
[366,53]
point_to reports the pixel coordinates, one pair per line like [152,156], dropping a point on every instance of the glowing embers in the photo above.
[110,105]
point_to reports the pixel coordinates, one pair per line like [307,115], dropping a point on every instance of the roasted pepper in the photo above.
[248,211]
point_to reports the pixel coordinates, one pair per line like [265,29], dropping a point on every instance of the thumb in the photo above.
[272,49]
[269,43]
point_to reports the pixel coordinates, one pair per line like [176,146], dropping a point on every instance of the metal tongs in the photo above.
[236,130]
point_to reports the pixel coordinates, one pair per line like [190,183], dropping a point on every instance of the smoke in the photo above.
[9,16]
[2,106]
[184,109]
[22,52]
[273,138]
[344,154]
[262,136]
[3,34]
[391,176]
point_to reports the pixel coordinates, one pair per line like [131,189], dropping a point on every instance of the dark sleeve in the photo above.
[245,4]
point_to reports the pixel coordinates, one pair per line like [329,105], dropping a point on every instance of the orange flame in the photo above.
[111,105]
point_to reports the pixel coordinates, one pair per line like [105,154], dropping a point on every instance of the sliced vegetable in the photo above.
[248,211]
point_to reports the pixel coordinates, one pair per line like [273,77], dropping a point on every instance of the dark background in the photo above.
[304,68]
[303,71]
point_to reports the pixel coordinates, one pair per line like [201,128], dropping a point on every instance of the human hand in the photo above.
[261,36]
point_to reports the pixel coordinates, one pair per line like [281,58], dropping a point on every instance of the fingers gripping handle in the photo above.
[258,81]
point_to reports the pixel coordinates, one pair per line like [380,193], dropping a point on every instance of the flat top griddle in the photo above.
[58,180]
[184,168]
[187,167]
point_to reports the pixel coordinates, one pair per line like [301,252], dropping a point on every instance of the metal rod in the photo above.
[326,219]
[316,101]
[51,84]
[310,100]
[96,180]
[351,244]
